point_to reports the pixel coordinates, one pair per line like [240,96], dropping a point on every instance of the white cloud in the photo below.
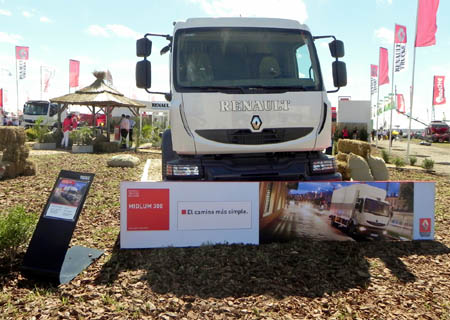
[117,30]
[45,20]
[97,31]
[291,9]
[382,2]
[123,31]
[5,12]
[27,14]
[385,35]
[10,37]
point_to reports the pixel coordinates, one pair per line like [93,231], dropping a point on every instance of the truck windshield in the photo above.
[376,207]
[35,109]
[245,60]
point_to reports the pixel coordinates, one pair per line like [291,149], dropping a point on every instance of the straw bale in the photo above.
[378,168]
[2,170]
[10,170]
[11,136]
[342,157]
[359,169]
[343,169]
[360,148]
[20,167]
[15,154]
[30,168]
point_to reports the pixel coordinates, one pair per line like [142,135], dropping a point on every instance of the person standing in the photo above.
[130,132]
[74,122]
[124,129]
[67,127]
[345,133]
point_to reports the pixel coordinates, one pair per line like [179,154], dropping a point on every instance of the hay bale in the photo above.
[16,154]
[30,168]
[359,169]
[2,170]
[11,136]
[378,168]
[342,157]
[343,169]
[10,170]
[20,168]
[360,148]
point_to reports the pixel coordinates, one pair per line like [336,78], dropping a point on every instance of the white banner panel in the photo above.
[162,214]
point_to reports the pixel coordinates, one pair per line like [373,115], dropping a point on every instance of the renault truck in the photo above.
[247,100]
[361,209]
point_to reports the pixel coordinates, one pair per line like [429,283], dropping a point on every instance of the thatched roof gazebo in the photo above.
[99,95]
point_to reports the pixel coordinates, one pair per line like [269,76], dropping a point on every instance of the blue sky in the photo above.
[392,187]
[102,34]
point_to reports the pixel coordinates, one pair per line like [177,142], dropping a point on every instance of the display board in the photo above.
[48,254]
[159,214]
[181,214]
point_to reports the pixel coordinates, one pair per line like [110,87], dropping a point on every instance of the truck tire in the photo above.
[167,153]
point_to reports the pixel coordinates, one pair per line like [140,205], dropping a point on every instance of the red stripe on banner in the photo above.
[426,23]
[74,73]
[383,76]
[373,70]
[438,90]
[401,103]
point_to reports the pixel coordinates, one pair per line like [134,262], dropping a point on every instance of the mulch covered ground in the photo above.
[294,280]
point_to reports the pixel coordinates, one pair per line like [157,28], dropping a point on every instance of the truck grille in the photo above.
[245,136]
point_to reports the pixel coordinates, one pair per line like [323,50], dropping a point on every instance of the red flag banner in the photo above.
[401,103]
[74,73]
[426,23]
[383,75]
[1,99]
[22,53]
[373,78]
[400,34]
[438,90]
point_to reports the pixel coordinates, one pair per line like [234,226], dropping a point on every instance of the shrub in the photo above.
[412,160]
[31,134]
[399,162]
[41,130]
[385,155]
[82,136]
[16,228]
[427,164]
[363,135]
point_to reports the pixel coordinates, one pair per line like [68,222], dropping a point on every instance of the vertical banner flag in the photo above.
[47,74]
[438,90]
[373,78]
[74,73]
[1,99]
[383,72]
[22,54]
[426,23]
[401,103]
[400,48]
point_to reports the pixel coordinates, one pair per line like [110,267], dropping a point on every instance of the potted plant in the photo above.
[82,140]
[45,138]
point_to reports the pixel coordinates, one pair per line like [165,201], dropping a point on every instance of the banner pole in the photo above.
[41,82]
[392,97]
[412,87]
[378,98]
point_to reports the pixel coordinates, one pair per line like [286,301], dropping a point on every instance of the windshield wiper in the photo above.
[280,89]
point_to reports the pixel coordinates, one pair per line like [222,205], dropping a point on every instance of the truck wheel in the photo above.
[167,153]
[351,229]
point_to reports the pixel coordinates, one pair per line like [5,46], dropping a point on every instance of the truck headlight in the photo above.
[182,170]
[384,232]
[324,165]
[362,229]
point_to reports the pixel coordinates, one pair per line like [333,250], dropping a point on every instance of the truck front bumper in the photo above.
[308,167]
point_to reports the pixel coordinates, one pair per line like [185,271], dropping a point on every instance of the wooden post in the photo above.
[108,123]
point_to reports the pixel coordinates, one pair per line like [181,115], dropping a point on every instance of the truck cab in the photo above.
[247,101]
[40,109]
[438,131]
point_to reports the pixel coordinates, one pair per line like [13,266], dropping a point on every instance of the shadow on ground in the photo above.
[304,268]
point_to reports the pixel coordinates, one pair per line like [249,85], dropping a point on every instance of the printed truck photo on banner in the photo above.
[342,210]
[66,198]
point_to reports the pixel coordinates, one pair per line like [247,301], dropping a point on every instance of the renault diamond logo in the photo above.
[256,122]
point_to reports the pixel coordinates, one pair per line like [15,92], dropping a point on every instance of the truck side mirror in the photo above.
[336,48]
[339,74]
[143,74]
[143,47]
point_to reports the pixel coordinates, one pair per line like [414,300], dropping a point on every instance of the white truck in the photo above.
[247,100]
[361,209]
[41,109]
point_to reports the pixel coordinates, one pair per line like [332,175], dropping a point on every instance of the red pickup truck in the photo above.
[438,131]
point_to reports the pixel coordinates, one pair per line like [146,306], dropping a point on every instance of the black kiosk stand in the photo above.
[48,254]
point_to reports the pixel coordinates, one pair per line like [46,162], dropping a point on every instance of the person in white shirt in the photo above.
[124,129]
[130,132]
